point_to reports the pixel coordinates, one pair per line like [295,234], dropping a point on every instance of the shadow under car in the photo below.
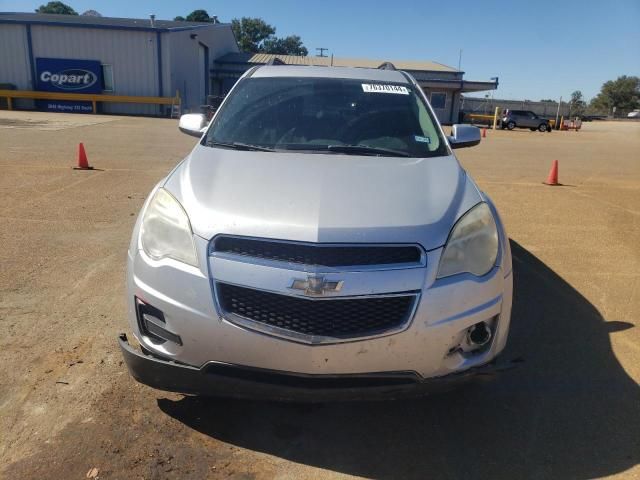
[569,410]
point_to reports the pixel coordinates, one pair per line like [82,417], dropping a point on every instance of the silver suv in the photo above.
[321,241]
[525,119]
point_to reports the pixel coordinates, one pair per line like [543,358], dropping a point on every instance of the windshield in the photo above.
[326,115]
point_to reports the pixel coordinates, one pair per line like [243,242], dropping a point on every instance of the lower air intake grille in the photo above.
[335,317]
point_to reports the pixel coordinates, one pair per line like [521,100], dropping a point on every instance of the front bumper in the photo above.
[426,347]
[447,308]
[222,379]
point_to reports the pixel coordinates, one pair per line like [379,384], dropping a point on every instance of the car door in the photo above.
[519,117]
[530,120]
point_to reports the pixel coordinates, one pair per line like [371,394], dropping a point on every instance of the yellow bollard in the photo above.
[495,118]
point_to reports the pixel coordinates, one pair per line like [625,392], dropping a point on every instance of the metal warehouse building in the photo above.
[157,58]
[119,56]
[442,84]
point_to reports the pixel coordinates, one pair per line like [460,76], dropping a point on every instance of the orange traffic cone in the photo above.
[484,132]
[552,179]
[83,163]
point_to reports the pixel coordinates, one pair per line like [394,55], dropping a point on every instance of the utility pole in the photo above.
[558,111]
[321,51]
[495,79]
[459,59]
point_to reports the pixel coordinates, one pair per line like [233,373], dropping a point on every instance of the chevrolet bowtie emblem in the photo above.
[316,285]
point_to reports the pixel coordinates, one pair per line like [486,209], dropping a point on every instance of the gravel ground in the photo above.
[570,410]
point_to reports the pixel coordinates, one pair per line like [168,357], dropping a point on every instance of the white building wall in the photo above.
[184,60]
[14,56]
[133,54]
[14,61]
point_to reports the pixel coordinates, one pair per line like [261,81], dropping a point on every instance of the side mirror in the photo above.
[463,136]
[193,124]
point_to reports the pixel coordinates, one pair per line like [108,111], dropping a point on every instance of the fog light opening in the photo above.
[479,334]
[152,324]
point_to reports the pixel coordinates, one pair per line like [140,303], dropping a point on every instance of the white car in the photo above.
[634,114]
[321,241]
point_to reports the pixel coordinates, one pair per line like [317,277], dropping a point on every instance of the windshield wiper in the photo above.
[365,150]
[239,146]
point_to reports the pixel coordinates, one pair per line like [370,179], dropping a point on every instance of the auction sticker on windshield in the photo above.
[381,88]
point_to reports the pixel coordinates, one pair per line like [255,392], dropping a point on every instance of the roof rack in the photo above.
[387,66]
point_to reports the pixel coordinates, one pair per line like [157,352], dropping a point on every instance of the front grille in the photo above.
[335,317]
[319,254]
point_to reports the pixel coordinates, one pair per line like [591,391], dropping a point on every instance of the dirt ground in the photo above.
[571,410]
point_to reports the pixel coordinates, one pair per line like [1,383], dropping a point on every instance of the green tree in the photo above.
[56,7]
[251,33]
[548,100]
[256,35]
[291,45]
[577,105]
[200,15]
[622,93]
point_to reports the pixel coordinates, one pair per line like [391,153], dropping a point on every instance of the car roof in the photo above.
[367,74]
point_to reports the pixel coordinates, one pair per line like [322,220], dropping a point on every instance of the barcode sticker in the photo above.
[382,88]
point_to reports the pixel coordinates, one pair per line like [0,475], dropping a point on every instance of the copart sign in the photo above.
[71,79]
[69,76]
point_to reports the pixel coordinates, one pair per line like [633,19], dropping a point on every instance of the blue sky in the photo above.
[538,49]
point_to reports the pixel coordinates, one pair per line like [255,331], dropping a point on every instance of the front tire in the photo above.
[543,127]
[511,125]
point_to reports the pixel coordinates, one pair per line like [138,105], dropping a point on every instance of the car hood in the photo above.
[322,197]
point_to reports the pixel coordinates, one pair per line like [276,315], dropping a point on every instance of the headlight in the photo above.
[473,244]
[166,231]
